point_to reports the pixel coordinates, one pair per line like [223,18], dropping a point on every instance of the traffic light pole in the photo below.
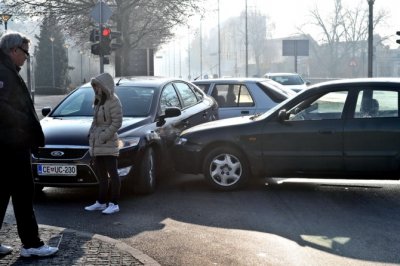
[100,41]
[101,55]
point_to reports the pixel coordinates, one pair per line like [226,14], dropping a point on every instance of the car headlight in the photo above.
[180,141]
[128,142]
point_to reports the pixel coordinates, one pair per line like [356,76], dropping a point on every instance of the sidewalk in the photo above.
[76,248]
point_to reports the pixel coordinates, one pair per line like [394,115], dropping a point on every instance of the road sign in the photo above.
[104,15]
[295,48]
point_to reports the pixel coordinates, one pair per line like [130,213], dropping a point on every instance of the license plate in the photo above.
[56,169]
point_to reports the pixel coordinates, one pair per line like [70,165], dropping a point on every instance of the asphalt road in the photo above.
[294,223]
[286,222]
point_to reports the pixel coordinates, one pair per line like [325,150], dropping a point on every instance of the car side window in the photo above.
[327,106]
[169,98]
[377,103]
[232,95]
[188,96]
[204,87]
[198,93]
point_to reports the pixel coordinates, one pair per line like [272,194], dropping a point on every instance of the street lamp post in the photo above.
[52,60]
[66,46]
[5,18]
[81,67]
[370,36]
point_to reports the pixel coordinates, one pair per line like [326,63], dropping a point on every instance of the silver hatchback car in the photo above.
[244,96]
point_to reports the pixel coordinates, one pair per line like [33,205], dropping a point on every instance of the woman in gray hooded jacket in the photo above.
[103,142]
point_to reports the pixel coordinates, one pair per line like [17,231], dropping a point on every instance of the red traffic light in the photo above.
[106,32]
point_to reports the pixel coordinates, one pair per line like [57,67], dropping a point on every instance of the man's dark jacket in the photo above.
[19,125]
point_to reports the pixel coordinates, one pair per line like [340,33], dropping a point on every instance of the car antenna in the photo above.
[117,84]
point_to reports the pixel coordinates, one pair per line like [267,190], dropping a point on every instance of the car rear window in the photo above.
[273,93]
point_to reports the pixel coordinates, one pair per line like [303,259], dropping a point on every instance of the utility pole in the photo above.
[219,46]
[201,48]
[370,36]
[247,44]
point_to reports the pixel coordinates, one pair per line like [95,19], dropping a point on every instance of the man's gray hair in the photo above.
[11,40]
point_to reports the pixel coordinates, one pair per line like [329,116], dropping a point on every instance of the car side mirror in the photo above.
[46,111]
[172,112]
[308,83]
[282,115]
[169,112]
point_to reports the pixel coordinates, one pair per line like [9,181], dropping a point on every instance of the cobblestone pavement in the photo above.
[76,248]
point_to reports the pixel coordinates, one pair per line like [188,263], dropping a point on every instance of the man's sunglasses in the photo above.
[25,51]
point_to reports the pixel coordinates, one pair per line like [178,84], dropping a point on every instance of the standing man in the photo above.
[20,131]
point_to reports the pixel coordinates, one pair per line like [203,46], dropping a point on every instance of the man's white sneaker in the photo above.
[4,250]
[112,208]
[42,251]
[96,207]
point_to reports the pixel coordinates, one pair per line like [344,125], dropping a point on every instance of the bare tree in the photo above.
[343,36]
[143,23]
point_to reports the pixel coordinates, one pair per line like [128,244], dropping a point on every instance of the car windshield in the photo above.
[136,102]
[288,79]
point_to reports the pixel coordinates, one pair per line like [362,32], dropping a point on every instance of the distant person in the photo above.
[103,143]
[20,131]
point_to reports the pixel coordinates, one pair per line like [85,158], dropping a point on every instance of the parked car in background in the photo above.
[244,96]
[345,128]
[155,111]
[292,81]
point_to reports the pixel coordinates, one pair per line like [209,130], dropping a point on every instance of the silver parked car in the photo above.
[292,81]
[244,96]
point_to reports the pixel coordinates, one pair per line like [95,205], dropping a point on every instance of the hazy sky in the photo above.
[288,14]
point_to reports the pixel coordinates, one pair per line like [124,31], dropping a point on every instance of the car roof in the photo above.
[281,74]
[239,79]
[378,80]
[146,81]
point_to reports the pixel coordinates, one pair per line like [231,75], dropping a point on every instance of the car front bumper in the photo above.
[80,158]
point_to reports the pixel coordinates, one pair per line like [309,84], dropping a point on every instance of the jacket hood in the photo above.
[105,82]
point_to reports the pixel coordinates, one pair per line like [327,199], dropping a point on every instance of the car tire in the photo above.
[145,181]
[226,169]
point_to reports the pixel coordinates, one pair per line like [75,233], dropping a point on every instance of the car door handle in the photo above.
[245,112]
[326,131]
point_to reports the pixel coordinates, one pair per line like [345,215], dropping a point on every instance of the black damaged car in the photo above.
[156,110]
[345,128]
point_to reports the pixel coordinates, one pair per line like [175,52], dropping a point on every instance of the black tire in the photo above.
[226,169]
[145,180]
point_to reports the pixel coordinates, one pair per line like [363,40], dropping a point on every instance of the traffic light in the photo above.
[104,47]
[117,44]
[105,43]
[95,49]
[398,33]
[94,35]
